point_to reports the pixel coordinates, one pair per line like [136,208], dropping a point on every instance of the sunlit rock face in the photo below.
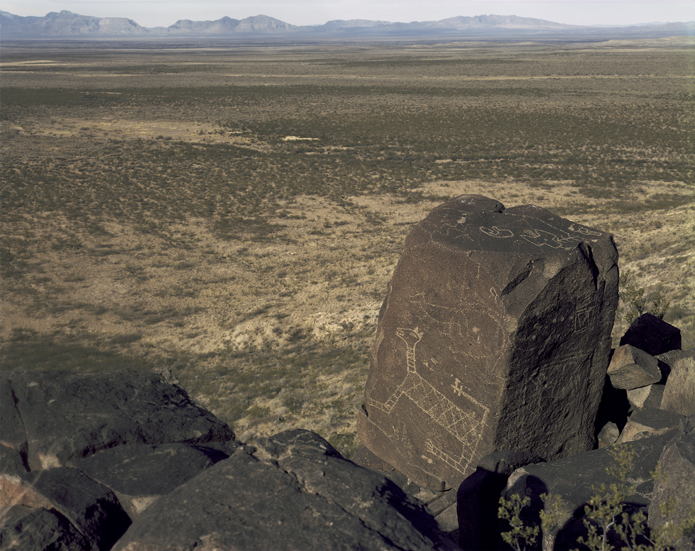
[495,334]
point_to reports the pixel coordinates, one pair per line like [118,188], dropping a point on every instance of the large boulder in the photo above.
[54,417]
[292,491]
[495,334]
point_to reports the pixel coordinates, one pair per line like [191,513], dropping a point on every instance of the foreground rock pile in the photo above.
[492,375]
[127,461]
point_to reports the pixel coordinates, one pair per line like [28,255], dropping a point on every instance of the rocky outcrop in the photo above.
[495,334]
[290,491]
[53,417]
[651,434]
[95,461]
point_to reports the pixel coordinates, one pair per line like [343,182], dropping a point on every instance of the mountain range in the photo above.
[65,24]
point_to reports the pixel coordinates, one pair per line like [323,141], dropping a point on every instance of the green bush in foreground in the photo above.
[606,519]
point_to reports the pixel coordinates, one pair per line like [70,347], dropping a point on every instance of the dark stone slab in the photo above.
[69,416]
[478,497]
[679,393]
[139,474]
[12,432]
[678,483]
[293,491]
[495,334]
[574,479]
[653,335]
[89,506]
[27,529]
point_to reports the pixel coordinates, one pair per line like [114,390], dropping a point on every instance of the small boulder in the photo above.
[631,368]
[478,497]
[608,435]
[647,397]
[653,335]
[679,394]
[27,529]
[11,461]
[649,422]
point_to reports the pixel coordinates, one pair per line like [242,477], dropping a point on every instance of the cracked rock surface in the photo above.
[290,491]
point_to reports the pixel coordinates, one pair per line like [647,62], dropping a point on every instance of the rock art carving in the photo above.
[495,334]
[462,424]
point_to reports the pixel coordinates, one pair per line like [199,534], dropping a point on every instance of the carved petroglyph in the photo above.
[463,424]
[494,231]
[555,239]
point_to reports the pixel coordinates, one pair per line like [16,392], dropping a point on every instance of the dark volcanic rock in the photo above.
[139,474]
[90,507]
[679,393]
[678,482]
[11,461]
[12,433]
[653,335]
[495,334]
[478,498]
[575,478]
[26,529]
[632,368]
[73,415]
[294,491]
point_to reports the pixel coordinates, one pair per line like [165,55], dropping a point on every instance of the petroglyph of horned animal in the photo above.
[461,424]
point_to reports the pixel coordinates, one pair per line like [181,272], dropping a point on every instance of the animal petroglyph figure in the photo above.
[462,424]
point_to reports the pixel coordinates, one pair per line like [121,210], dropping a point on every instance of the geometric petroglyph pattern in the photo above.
[463,424]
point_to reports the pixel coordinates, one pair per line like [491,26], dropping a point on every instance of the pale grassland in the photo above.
[236,213]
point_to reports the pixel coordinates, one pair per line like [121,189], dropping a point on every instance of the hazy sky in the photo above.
[151,13]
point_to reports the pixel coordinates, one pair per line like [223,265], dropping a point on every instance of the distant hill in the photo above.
[66,24]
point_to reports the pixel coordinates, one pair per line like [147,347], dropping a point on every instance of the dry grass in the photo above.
[235,214]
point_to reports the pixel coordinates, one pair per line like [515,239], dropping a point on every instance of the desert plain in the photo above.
[233,212]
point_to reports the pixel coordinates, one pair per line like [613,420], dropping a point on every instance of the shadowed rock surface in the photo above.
[495,334]
[678,482]
[67,416]
[653,335]
[292,491]
[140,474]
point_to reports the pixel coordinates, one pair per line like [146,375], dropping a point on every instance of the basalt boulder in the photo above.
[494,334]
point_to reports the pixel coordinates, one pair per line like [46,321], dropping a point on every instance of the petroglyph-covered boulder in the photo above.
[495,334]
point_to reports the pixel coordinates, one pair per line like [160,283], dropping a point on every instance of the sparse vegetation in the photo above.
[238,215]
[610,521]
